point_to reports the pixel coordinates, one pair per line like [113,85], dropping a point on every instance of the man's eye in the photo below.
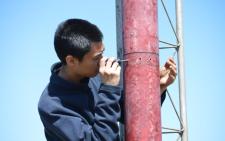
[97,58]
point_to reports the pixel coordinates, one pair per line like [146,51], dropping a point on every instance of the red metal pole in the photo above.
[142,89]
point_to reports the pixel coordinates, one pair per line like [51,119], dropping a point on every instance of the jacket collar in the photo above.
[55,80]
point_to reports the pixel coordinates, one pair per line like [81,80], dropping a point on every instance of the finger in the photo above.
[118,69]
[115,65]
[163,71]
[172,77]
[110,62]
[173,71]
[102,64]
[171,59]
[170,63]
[173,62]
[167,64]
[173,66]
[103,61]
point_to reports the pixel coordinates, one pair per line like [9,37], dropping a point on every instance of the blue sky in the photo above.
[26,54]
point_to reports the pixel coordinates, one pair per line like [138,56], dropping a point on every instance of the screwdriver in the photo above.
[121,60]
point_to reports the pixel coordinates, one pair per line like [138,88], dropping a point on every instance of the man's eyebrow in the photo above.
[103,50]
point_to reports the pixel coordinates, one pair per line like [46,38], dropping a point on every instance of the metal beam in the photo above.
[181,69]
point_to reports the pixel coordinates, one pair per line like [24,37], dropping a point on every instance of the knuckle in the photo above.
[103,59]
[112,59]
[116,63]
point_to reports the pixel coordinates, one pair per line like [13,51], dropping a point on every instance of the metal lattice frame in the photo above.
[182,132]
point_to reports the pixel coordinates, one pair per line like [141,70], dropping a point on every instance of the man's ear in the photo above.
[71,61]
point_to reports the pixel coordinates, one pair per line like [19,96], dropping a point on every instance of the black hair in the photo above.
[74,37]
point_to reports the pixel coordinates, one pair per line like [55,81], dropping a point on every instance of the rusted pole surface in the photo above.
[141,74]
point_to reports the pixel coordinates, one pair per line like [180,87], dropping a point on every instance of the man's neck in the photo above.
[68,75]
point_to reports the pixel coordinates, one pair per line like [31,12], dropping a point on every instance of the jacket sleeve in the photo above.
[163,97]
[67,127]
[107,113]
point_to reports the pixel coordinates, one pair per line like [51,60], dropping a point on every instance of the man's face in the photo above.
[89,66]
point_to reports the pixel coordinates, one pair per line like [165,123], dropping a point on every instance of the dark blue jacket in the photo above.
[80,112]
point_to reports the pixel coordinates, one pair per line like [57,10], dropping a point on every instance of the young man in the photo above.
[81,101]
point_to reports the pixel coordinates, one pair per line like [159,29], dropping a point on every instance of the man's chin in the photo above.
[93,75]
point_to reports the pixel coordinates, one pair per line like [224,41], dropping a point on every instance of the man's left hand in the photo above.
[167,74]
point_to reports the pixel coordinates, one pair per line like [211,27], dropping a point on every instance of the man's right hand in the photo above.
[109,71]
